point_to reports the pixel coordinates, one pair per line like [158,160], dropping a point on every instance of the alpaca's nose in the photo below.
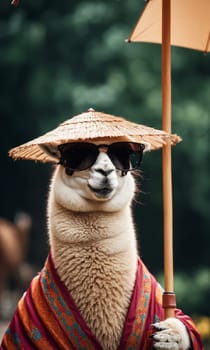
[103,172]
[103,164]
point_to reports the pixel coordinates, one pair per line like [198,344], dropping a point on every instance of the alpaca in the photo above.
[94,250]
[14,241]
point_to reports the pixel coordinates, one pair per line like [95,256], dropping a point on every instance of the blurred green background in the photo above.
[57,59]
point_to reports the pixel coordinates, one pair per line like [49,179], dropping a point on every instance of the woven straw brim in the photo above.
[90,126]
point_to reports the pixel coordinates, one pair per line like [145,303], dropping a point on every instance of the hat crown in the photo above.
[93,116]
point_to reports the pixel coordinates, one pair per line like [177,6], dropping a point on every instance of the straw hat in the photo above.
[91,126]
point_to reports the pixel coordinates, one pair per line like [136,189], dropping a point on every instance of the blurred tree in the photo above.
[58,60]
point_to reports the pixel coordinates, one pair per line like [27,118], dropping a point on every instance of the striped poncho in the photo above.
[47,317]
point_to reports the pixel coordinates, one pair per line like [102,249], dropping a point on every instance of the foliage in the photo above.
[192,292]
[58,60]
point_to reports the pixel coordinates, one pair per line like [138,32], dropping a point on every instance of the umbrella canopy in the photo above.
[90,126]
[190,24]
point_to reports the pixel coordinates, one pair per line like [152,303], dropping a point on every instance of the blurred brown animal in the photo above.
[14,242]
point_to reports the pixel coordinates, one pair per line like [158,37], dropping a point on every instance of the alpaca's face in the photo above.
[102,187]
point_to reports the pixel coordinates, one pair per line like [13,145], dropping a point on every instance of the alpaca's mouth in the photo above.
[101,192]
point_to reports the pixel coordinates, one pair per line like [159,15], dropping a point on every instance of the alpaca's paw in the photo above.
[171,335]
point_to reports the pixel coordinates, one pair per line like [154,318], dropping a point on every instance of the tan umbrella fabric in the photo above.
[92,125]
[190,24]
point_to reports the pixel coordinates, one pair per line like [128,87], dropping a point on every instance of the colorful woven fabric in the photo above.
[47,317]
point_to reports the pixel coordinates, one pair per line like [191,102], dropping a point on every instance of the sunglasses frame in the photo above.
[64,149]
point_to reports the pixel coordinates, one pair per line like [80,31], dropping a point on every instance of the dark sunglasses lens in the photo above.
[126,156]
[78,156]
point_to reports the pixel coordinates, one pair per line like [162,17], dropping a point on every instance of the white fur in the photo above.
[172,334]
[73,193]
[93,245]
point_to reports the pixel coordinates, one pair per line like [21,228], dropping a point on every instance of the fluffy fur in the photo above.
[171,334]
[93,245]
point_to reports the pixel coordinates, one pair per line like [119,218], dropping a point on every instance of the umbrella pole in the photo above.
[169,300]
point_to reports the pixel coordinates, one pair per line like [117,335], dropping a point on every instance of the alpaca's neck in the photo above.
[110,234]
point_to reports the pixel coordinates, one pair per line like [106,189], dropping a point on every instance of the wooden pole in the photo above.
[169,301]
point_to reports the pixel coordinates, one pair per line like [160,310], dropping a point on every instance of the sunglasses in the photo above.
[78,156]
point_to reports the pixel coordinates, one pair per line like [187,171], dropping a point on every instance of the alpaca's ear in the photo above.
[52,151]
